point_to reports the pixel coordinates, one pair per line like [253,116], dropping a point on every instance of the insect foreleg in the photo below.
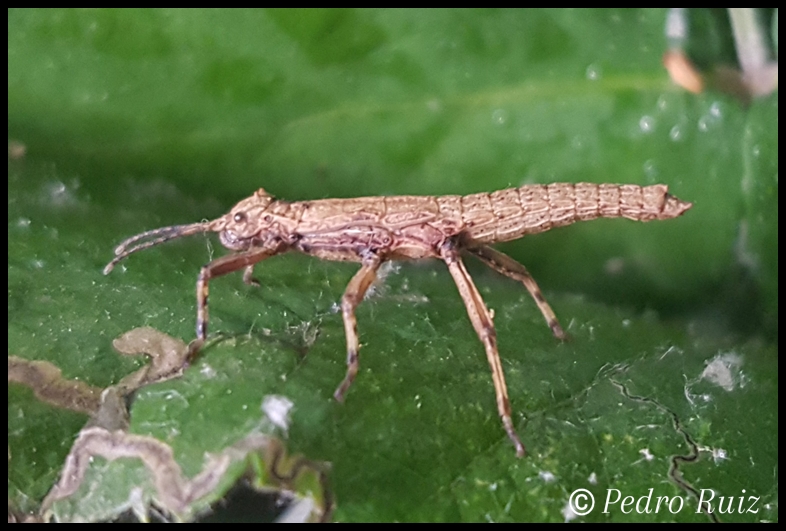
[356,290]
[222,266]
[484,327]
[506,265]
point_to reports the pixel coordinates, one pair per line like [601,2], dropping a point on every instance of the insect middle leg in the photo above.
[484,327]
[506,265]
[353,295]
[248,277]
[222,266]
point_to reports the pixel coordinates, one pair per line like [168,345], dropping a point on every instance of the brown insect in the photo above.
[372,230]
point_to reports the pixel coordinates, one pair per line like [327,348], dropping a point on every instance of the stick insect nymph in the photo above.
[373,230]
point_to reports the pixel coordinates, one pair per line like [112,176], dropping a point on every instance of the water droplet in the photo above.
[676,133]
[594,72]
[712,118]
[57,188]
[650,170]
[647,124]
[499,117]
[434,105]
[707,122]
[614,266]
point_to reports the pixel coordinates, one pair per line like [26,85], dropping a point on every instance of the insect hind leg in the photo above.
[506,265]
[481,320]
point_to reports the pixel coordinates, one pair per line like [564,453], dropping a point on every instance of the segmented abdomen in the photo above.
[509,214]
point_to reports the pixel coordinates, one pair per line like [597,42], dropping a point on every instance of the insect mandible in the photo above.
[372,230]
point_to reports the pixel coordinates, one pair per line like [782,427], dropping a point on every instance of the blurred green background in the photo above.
[124,121]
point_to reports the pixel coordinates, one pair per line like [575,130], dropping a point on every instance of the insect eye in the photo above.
[240,217]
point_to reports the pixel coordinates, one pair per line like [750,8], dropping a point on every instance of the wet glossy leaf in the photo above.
[132,120]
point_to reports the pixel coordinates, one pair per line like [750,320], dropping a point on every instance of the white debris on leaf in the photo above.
[277,409]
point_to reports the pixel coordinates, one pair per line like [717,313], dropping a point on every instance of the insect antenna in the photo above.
[162,235]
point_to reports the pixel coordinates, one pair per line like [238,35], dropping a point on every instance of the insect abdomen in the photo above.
[509,214]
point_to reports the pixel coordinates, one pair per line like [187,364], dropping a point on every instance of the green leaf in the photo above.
[131,120]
